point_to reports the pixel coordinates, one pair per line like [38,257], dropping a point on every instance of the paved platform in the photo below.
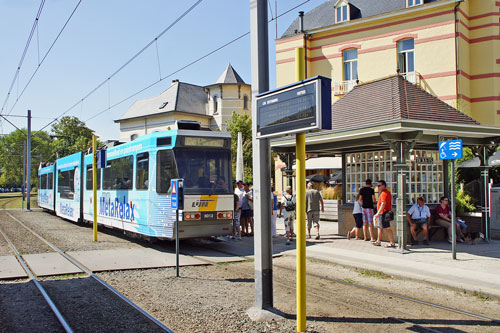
[120,259]
[46,264]
[477,267]
[10,268]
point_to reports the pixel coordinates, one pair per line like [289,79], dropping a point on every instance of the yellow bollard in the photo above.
[300,162]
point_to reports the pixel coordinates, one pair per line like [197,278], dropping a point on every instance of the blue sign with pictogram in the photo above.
[450,150]
[174,186]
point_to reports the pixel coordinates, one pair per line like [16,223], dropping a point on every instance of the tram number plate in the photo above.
[208,215]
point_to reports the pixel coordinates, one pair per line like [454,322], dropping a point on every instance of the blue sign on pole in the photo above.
[450,150]
[174,188]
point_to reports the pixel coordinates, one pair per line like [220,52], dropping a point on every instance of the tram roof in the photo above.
[391,109]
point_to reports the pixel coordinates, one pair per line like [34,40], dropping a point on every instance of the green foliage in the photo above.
[241,123]
[464,202]
[11,156]
[71,135]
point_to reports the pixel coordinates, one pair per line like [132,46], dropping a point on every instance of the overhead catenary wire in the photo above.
[44,57]
[127,62]
[26,47]
[188,65]
[161,78]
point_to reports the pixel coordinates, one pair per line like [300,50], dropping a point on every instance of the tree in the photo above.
[11,156]
[241,123]
[71,135]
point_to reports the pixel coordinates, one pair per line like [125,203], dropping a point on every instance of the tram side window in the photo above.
[90,178]
[142,172]
[43,182]
[66,184]
[118,174]
[50,181]
[165,170]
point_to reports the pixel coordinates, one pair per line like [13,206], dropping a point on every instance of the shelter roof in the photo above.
[179,97]
[392,98]
[324,14]
[390,109]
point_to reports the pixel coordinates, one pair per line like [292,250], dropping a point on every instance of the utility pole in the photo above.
[261,160]
[24,172]
[28,161]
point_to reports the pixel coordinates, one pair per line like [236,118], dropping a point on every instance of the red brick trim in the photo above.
[435,75]
[497,3]
[498,111]
[406,36]
[378,48]
[350,46]
[471,100]
[477,16]
[434,38]
[478,40]
[282,61]
[498,61]
[382,25]
[289,39]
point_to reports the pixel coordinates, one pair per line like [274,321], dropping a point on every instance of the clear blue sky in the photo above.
[103,35]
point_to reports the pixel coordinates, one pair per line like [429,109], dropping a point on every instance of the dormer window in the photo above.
[342,13]
[411,3]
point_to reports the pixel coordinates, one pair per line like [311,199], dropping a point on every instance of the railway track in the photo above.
[66,324]
[420,315]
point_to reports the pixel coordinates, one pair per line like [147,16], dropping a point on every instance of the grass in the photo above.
[69,276]
[319,261]
[480,295]
[15,200]
[372,274]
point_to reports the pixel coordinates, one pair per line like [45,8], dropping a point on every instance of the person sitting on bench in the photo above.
[419,215]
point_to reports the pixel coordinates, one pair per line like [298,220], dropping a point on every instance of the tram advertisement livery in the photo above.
[133,189]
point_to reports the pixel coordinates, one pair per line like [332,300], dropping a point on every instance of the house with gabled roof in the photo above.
[210,105]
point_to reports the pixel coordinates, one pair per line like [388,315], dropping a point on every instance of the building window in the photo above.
[142,171]
[411,3]
[350,65]
[424,178]
[342,14]
[215,99]
[245,102]
[133,137]
[406,56]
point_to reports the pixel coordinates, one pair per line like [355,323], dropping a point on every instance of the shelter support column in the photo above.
[401,145]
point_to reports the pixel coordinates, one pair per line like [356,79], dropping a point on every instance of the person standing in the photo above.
[236,218]
[274,214]
[419,214]
[247,211]
[313,200]
[368,199]
[288,203]
[384,207]
[239,192]
[358,218]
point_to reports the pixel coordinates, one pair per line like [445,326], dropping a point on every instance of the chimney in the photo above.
[301,21]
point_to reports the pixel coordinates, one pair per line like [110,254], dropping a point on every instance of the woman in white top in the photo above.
[358,218]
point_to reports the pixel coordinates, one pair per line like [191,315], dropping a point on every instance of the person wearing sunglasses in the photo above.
[384,212]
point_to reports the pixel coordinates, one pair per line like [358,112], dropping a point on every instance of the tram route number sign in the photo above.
[303,106]
[101,159]
[450,150]
[176,194]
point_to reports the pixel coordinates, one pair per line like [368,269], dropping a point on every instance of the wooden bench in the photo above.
[433,228]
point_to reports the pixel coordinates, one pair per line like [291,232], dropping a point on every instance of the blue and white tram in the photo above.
[133,190]
[68,188]
[46,189]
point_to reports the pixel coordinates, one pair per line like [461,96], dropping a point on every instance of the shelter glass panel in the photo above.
[423,178]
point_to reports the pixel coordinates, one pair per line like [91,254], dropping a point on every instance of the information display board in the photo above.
[303,106]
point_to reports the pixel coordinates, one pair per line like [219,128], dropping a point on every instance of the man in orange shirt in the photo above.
[384,206]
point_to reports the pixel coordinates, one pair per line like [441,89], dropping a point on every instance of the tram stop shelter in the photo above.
[389,129]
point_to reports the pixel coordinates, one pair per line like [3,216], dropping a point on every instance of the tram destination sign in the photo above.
[303,106]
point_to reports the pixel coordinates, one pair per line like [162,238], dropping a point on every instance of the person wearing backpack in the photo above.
[287,210]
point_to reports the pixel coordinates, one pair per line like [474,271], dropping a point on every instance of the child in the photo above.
[358,218]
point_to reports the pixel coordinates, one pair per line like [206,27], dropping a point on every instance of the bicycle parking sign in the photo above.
[450,150]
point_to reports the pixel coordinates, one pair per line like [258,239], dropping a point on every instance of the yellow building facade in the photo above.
[450,48]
